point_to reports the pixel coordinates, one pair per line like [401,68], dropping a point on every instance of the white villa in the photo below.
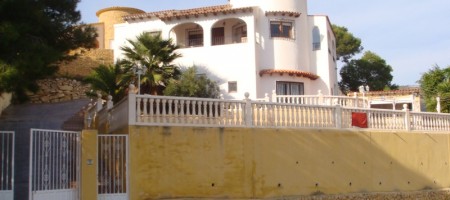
[255,46]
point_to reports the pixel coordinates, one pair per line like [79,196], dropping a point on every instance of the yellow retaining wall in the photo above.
[89,142]
[176,162]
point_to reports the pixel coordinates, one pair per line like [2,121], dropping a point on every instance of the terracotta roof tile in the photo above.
[408,91]
[394,92]
[289,72]
[170,14]
[283,13]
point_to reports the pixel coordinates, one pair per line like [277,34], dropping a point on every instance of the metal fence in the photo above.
[54,165]
[112,167]
[6,165]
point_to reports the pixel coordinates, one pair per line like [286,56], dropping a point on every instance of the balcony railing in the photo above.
[318,99]
[218,40]
[148,110]
[192,43]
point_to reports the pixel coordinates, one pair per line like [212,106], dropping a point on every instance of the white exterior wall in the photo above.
[322,61]
[228,62]
[132,30]
[242,62]
[222,63]
[332,61]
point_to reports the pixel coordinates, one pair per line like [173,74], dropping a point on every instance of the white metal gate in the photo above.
[6,165]
[113,167]
[54,165]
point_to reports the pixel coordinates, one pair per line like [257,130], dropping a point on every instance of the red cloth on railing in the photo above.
[359,120]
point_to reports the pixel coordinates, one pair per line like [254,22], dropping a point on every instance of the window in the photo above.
[195,37]
[290,88]
[232,86]
[283,29]
[316,38]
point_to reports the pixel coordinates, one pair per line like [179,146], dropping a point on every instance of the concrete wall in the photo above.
[175,162]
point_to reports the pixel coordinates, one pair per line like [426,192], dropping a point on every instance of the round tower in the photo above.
[273,5]
[111,16]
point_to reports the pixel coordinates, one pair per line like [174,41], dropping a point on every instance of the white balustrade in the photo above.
[292,115]
[180,111]
[430,121]
[377,118]
[289,112]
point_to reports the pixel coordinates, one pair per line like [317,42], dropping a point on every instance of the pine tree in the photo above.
[35,36]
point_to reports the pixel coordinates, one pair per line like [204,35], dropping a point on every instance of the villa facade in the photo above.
[255,46]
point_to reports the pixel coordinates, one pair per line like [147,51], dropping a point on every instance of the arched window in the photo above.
[316,38]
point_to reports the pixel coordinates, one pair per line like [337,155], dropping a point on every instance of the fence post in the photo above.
[274,96]
[338,115]
[320,95]
[131,105]
[89,153]
[99,102]
[356,103]
[407,117]
[109,103]
[248,111]
[88,119]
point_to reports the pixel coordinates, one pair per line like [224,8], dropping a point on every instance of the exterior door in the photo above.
[113,167]
[54,165]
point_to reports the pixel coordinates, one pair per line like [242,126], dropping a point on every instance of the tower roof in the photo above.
[119,8]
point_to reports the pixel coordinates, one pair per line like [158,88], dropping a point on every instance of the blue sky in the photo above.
[412,36]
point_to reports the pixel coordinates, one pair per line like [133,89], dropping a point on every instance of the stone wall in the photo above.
[83,65]
[59,90]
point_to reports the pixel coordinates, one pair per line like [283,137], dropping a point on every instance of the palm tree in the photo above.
[106,79]
[156,55]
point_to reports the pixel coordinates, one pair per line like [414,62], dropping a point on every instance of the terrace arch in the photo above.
[188,35]
[229,31]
